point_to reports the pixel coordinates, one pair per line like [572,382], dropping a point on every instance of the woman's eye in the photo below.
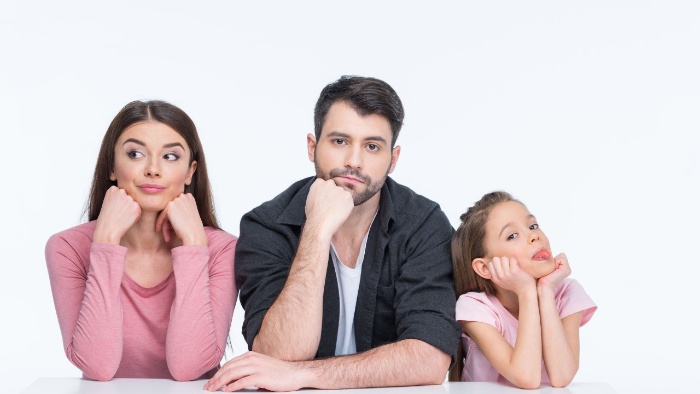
[134,154]
[534,226]
[171,156]
[512,236]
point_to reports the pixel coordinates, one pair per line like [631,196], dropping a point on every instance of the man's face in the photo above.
[354,151]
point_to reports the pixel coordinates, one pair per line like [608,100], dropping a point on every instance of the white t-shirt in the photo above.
[348,286]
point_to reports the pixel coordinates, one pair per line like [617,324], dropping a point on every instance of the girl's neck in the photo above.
[509,300]
[142,236]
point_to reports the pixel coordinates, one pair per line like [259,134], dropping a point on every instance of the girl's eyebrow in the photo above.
[530,216]
[504,228]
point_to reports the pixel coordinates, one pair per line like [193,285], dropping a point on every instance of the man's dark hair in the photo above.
[367,96]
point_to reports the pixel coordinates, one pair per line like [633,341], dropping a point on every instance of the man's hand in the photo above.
[328,206]
[258,370]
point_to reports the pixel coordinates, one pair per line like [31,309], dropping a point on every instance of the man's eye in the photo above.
[134,154]
[373,147]
[512,236]
[171,156]
[534,226]
[338,141]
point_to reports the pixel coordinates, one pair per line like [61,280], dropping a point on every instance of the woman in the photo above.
[146,288]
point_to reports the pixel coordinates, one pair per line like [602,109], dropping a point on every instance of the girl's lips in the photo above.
[542,254]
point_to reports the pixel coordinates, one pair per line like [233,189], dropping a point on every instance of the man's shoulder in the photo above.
[412,207]
[291,200]
[405,198]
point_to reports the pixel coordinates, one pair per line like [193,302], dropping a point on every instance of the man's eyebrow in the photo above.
[377,138]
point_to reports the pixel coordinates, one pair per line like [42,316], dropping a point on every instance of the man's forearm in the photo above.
[291,329]
[409,362]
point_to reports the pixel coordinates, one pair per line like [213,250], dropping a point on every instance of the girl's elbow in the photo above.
[561,381]
[528,384]
[528,381]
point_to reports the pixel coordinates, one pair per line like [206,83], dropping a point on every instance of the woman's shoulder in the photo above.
[78,235]
[219,237]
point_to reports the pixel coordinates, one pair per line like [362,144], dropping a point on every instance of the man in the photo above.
[346,277]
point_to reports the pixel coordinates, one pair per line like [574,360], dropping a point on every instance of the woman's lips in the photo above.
[151,188]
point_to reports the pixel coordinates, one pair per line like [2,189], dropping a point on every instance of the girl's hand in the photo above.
[119,212]
[180,219]
[506,273]
[561,271]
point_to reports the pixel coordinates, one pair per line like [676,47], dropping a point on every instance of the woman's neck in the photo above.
[142,236]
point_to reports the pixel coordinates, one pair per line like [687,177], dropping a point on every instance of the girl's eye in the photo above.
[171,156]
[512,236]
[134,154]
[373,147]
[534,226]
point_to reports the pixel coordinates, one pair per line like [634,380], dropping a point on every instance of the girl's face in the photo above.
[512,231]
[151,164]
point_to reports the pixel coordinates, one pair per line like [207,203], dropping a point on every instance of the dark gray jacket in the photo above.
[406,289]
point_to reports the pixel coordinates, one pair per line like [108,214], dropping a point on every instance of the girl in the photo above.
[519,314]
[146,287]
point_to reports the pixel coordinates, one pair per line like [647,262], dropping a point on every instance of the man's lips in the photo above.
[151,187]
[351,179]
[542,254]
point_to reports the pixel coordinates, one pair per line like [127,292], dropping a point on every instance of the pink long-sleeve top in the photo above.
[113,327]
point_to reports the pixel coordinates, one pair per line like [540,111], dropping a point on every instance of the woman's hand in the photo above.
[119,212]
[180,219]
[561,271]
[506,273]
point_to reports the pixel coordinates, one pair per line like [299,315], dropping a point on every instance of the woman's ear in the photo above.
[481,267]
[190,172]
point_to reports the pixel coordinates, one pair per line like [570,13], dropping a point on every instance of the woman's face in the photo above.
[151,163]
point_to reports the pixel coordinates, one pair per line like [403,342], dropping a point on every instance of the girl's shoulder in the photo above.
[473,304]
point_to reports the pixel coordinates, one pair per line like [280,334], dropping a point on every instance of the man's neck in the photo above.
[357,224]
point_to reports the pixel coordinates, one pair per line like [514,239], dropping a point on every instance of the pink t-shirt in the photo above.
[113,327]
[569,296]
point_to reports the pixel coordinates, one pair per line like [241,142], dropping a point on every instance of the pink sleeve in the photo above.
[88,306]
[200,318]
[572,298]
[476,307]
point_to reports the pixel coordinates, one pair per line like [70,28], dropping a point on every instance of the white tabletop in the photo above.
[163,386]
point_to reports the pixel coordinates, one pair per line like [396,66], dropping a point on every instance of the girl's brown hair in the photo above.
[178,120]
[467,245]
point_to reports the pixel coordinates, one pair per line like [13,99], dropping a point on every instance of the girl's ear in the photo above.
[481,267]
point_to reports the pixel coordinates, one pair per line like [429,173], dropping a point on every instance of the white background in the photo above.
[588,112]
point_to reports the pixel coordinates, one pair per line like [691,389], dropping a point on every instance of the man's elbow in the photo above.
[280,353]
[439,367]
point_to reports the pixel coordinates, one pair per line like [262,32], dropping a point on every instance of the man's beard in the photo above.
[358,198]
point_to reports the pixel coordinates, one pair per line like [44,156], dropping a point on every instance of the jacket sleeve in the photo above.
[263,259]
[88,306]
[200,317]
[425,297]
